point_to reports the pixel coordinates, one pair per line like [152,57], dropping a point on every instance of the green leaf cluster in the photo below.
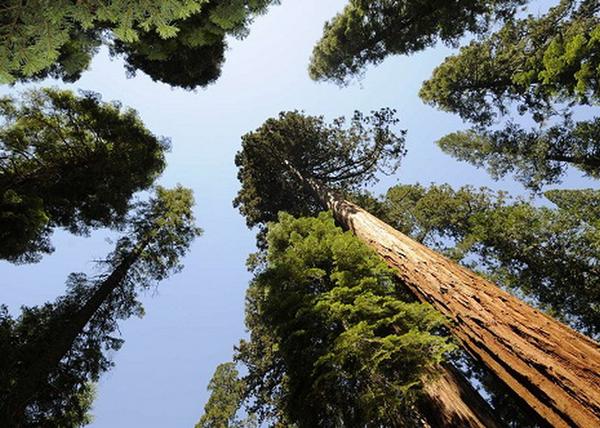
[179,42]
[68,161]
[368,31]
[544,66]
[333,341]
[227,394]
[533,62]
[535,157]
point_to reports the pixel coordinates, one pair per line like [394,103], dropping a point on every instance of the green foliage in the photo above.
[68,161]
[534,62]
[536,157]
[344,158]
[195,56]
[227,394]
[367,31]
[547,255]
[50,355]
[539,65]
[179,42]
[332,340]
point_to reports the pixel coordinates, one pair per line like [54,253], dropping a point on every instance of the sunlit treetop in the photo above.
[534,62]
[276,157]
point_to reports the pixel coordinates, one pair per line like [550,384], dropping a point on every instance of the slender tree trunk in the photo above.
[45,356]
[552,367]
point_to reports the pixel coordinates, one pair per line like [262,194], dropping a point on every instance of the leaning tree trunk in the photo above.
[57,342]
[451,402]
[552,367]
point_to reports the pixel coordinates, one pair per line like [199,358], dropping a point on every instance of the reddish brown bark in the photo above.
[451,402]
[553,368]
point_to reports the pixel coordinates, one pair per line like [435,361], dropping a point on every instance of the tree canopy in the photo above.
[541,66]
[226,397]
[367,31]
[332,339]
[536,157]
[179,42]
[534,62]
[68,161]
[548,255]
[50,355]
[343,157]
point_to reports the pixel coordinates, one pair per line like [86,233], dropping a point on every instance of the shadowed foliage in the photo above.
[50,355]
[68,161]
[368,31]
[178,42]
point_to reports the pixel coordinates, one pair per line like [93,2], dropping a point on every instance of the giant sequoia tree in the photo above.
[68,161]
[283,167]
[542,66]
[546,254]
[367,31]
[333,340]
[50,354]
[179,42]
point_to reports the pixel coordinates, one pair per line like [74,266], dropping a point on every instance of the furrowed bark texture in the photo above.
[451,402]
[552,367]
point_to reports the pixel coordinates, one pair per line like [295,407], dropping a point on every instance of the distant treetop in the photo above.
[178,42]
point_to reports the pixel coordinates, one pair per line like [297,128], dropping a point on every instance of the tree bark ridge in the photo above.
[552,367]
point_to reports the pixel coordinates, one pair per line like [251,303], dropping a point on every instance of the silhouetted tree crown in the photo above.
[367,31]
[52,354]
[276,158]
[178,42]
[68,161]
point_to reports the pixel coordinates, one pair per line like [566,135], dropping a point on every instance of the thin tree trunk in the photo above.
[552,367]
[60,338]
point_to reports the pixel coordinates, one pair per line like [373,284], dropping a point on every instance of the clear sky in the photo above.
[193,319]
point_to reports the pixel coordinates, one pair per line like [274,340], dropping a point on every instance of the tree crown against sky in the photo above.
[332,338]
[344,157]
[366,32]
[547,255]
[68,161]
[537,62]
[179,42]
[546,67]
[157,235]
[227,392]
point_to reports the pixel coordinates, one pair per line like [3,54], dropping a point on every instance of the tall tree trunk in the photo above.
[45,355]
[552,367]
[451,402]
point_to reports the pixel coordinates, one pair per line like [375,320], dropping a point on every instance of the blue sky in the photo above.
[193,319]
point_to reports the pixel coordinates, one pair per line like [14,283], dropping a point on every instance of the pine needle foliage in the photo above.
[333,342]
